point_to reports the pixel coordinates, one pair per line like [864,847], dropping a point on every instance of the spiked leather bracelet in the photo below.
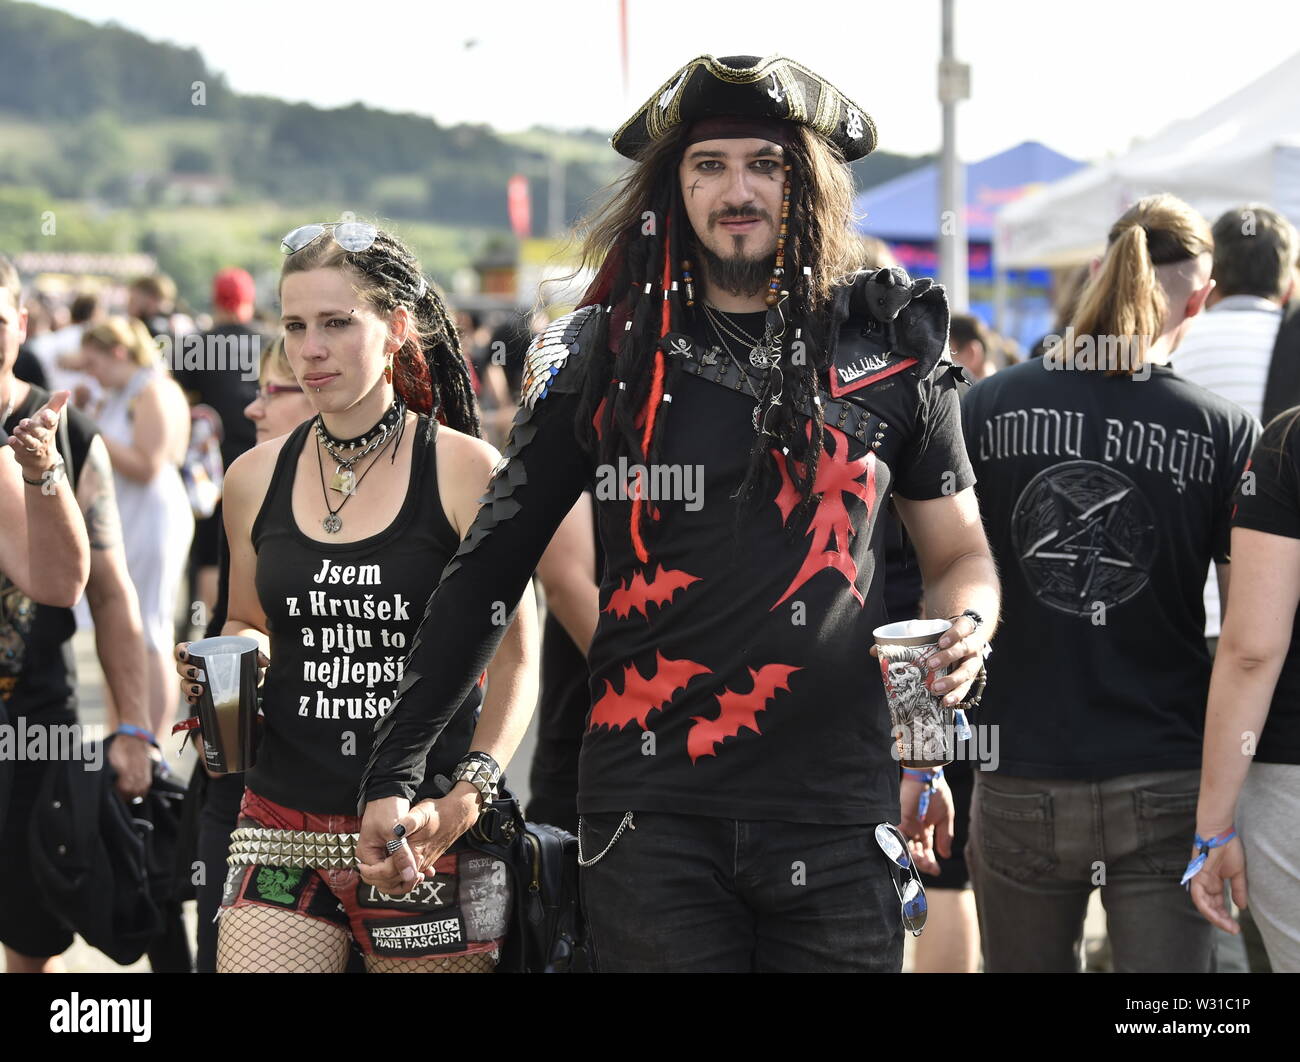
[482,772]
[251,846]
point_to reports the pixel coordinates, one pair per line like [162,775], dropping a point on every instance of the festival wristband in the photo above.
[136,732]
[1203,852]
[929,778]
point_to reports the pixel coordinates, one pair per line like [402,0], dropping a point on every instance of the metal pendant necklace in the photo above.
[773,380]
[333,523]
[344,479]
[763,353]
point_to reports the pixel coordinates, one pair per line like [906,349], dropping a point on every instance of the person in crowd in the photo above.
[1250,776]
[1229,348]
[37,678]
[152,301]
[971,346]
[723,746]
[59,353]
[330,591]
[223,383]
[487,362]
[1106,487]
[43,553]
[144,421]
[278,408]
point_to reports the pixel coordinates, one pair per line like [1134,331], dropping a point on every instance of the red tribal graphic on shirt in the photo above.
[836,477]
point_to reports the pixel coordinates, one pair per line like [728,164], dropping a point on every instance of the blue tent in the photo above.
[905,213]
[906,209]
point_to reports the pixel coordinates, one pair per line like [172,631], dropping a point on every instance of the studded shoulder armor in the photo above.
[563,338]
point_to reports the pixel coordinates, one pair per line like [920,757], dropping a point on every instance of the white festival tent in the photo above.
[1244,148]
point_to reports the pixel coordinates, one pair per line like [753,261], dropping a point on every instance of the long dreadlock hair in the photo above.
[637,244]
[429,372]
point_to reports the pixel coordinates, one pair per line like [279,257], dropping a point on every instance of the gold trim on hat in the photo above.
[832,105]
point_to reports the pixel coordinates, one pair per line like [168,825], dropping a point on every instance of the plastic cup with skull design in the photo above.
[227,707]
[922,727]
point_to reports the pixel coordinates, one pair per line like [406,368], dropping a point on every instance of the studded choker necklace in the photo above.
[347,452]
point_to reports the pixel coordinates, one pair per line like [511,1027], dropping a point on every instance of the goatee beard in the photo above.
[739,275]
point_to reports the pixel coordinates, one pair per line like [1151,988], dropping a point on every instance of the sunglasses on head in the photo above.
[350,235]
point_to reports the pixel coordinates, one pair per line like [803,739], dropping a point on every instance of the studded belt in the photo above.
[250,846]
[846,416]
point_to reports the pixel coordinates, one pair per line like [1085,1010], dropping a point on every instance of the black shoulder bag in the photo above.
[547,931]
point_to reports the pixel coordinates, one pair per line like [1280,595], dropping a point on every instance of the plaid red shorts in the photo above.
[462,910]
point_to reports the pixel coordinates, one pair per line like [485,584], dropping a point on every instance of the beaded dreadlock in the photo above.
[643,238]
[429,372]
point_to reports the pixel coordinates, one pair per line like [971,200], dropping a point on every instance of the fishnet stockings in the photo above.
[483,962]
[272,940]
[256,939]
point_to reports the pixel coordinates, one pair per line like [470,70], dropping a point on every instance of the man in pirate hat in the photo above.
[743,405]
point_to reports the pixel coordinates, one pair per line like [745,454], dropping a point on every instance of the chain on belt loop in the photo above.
[626,824]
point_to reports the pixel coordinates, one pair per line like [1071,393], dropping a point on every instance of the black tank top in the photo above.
[341,619]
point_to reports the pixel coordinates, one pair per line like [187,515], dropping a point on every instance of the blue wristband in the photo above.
[1203,852]
[136,732]
[929,778]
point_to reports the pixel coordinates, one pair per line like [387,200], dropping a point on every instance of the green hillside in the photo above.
[107,129]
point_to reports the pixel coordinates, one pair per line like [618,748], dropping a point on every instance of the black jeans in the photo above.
[692,894]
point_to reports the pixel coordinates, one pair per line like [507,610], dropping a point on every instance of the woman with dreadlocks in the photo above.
[743,414]
[332,590]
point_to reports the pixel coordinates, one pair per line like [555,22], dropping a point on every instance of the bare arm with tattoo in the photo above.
[119,636]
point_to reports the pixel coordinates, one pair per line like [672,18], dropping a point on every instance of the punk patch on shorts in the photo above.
[431,894]
[413,937]
[278,886]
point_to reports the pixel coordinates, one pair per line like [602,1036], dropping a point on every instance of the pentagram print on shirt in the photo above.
[1085,535]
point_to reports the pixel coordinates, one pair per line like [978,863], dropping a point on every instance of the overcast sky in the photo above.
[1084,78]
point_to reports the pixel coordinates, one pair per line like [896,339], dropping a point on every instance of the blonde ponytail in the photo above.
[1123,306]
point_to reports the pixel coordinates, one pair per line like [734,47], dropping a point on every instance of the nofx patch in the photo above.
[428,895]
[281,886]
[416,936]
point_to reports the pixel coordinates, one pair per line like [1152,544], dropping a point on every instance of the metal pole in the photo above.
[954,85]
[555,199]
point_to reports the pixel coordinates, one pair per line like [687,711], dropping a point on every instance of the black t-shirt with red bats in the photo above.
[730,672]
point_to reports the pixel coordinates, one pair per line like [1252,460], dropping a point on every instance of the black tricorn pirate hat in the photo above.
[744,86]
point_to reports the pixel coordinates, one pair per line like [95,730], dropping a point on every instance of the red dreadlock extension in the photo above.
[654,398]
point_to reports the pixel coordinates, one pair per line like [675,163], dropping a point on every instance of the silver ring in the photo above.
[393,845]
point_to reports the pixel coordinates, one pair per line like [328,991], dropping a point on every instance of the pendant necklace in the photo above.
[763,353]
[344,479]
[333,523]
[770,361]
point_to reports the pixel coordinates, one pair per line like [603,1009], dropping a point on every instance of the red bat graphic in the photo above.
[836,476]
[739,710]
[641,696]
[637,593]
